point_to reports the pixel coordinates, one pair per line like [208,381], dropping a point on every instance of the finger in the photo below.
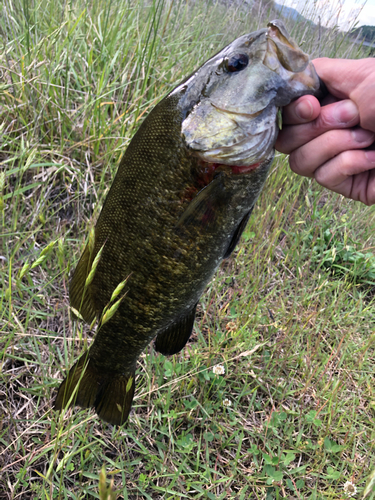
[304,109]
[306,159]
[332,72]
[329,99]
[352,174]
[363,187]
[354,79]
[342,114]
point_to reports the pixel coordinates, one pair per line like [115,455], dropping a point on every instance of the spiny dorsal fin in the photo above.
[80,297]
[174,338]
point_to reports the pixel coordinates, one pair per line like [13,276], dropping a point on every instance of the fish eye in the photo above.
[237,62]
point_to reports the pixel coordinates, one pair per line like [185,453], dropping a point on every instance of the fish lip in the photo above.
[284,49]
[276,30]
[286,58]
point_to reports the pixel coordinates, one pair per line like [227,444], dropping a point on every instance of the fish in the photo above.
[182,196]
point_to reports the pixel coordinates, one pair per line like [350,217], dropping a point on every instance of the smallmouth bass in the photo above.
[181,198]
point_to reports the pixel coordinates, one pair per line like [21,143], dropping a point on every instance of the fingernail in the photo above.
[304,110]
[345,111]
[370,155]
[360,135]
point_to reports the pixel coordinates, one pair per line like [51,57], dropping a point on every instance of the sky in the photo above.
[341,12]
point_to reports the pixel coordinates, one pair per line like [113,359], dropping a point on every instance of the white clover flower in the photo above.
[350,489]
[218,370]
[227,402]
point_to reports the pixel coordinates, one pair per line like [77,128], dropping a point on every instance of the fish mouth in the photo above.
[234,121]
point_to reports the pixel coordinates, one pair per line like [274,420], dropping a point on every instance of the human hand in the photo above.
[328,142]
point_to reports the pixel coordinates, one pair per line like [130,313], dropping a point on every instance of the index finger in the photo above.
[339,115]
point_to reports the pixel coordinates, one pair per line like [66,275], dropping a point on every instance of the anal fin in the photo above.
[174,338]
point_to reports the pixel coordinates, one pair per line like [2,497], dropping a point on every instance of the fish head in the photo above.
[229,105]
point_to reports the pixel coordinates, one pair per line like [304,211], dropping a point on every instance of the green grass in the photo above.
[289,316]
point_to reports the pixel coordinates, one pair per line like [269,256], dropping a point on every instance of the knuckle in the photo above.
[345,161]
[323,122]
[333,141]
[326,119]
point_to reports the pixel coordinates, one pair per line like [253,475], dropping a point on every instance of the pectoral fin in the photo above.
[174,338]
[237,234]
[206,205]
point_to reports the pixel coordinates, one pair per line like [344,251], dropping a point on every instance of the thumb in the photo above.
[351,79]
[343,76]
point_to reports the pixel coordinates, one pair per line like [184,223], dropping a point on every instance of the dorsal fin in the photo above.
[174,338]
[80,298]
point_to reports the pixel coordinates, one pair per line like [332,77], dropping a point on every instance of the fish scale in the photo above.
[181,198]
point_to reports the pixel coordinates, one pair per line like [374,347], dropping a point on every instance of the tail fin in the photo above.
[110,393]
